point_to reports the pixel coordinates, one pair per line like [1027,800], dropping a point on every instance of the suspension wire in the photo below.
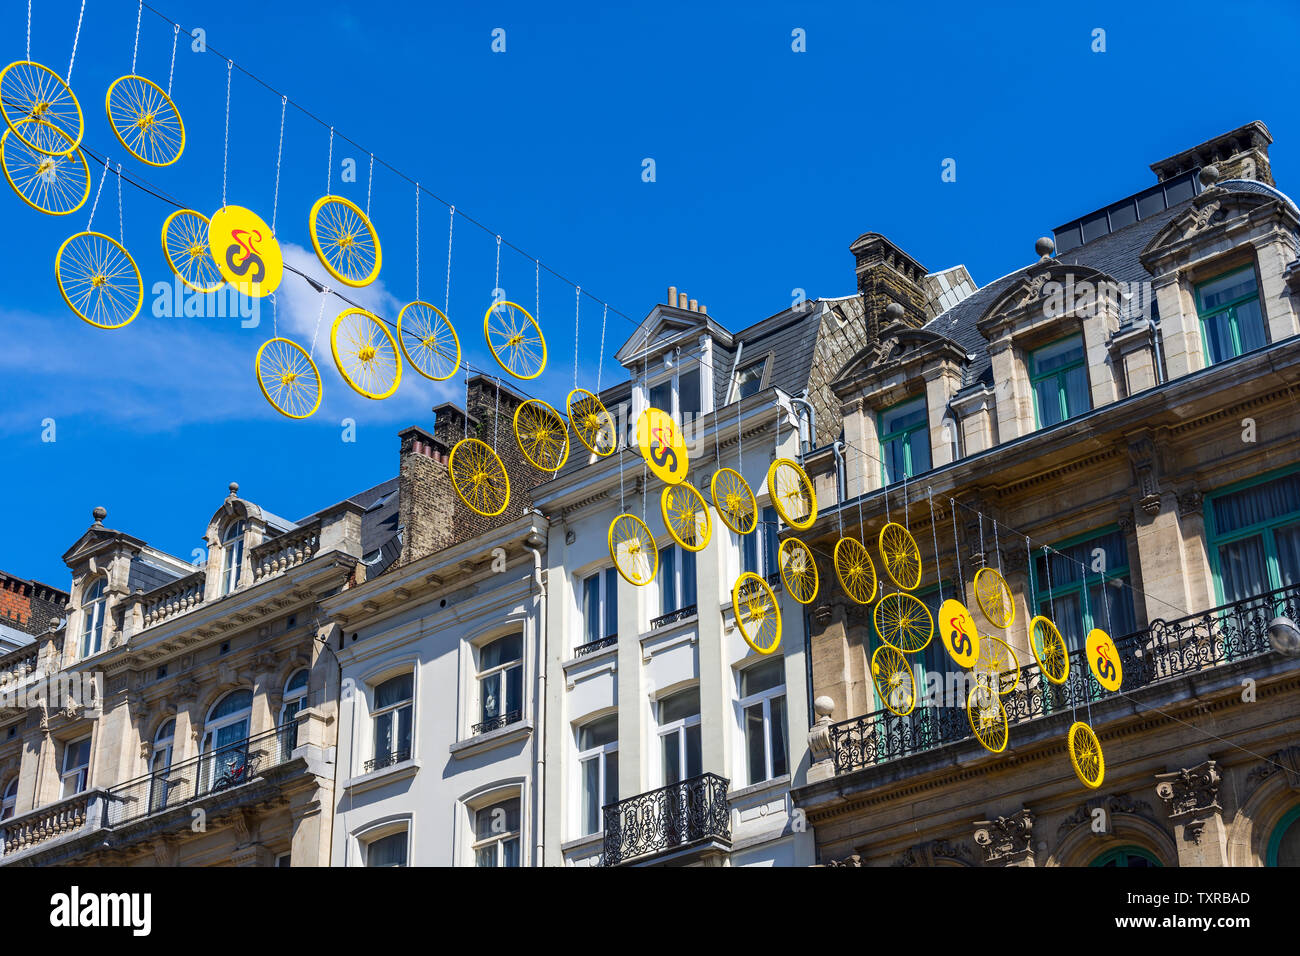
[907,514]
[601,366]
[467,400]
[1030,586]
[997,546]
[981,520]
[496,417]
[324,294]
[75,40]
[29,31]
[225,155]
[577,314]
[171,71]
[956,546]
[95,205]
[537,291]
[370,182]
[1087,616]
[934,532]
[1047,563]
[121,230]
[329,166]
[417,242]
[279,153]
[136,49]
[275,319]
[446,299]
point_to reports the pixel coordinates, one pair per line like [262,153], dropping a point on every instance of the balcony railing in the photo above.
[591,647]
[496,723]
[82,812]
[672,617]
[675,817]
[387,760]
[18,665]
[1162,652]
[218,770]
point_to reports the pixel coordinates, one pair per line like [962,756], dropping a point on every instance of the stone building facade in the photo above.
[1113,427]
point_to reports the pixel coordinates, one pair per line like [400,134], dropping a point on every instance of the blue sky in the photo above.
[768,164]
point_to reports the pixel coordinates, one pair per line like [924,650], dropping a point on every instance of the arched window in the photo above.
[225,741]
[1284,844]
[295,698]
[10,802]
[1126,856]
[160,764]
[92,615]
[232,556]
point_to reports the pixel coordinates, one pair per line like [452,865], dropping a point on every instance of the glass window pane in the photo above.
[750,378]
[514,690]
[755,743]
[611,602]
[895,460]
[1286,541]
[1077,399]
[671,747]
[771,541]
[404,731]
[598,733]
[679,706]
[779,749]
[688,578]
[688,393]
[900,418]
[1226,288]
[387,851]
[591,795]
[1259,503]
[1047,393]
[661,396]
[510,852]
[500,652]
[749,553]
[668,579]
[1250,326]
[384,734]
[694,752]
[918,443]
[497,820]
[761,677]
[611,777]
[486,856]
[490,692]
[1218,337]
[591,609]
[392,691]
[1243,568]
[1057,356]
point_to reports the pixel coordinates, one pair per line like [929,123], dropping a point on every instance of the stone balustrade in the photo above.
[286,551]
[82,812]
[171,599]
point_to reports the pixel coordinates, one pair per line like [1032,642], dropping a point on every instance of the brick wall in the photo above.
[29,605]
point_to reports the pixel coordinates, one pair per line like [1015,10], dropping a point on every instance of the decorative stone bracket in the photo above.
[1191,797]
[1007,841]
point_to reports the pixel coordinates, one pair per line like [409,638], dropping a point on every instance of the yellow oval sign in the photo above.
[1103,659]
[246,253]
[662,445]
[957,629]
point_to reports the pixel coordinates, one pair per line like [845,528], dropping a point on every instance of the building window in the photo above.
[284,859]
[500,683]
[496,834]
[92,616]
[904,440]
[295,698]
[1255,537]
[392,720]
[1231,320]
[932,668]
[76,766]
[9,803]
[679,736]
[232,556]
[1126,856]
[1284,843]
[1105,551]
[600,606]
[758,551]
[597,770]
[763,720]
[678,394]
[1058,374]
[676,579]
[390,850]
[225,742]
[160,765]
[749,380]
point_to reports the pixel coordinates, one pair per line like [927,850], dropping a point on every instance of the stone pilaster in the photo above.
[1191,797]
[1009,840]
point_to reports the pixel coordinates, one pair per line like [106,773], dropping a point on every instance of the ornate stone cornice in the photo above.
[930,852]
[1191,791]
[1286,762]
[1113,804]
[1007,839]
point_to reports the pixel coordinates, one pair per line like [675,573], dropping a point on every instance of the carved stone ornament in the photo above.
[1035,288]
[1285,762]
[930,852]
[1190,502]
[853,860]
[1192,791]
[1211,214]
[1006,838]
[1113,804]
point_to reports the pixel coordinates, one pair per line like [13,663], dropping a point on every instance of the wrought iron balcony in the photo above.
[672,617]
[496,723]
[672,818]
[591,647]
[388,759]
[1162,652]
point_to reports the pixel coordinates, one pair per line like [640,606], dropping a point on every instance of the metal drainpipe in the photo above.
[1155,340]
[841,478]
[802,399]
[532,542]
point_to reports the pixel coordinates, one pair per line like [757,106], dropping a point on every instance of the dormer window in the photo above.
[1059,376]
[679,393]
[749,380]
[904,440]
[1231,321]
[232,556]
[93,604]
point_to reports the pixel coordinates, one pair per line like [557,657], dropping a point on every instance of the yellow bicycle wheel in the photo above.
[997,665]
[365,353]
[995,598]
[99,280]
[543,436]
[32,95]
[895,683]
[686,516]
[734,501]
[288,378]
[428,340]
[479,477]
[515,339]
[792,493]
[798,570]
[856,573]
[145,120]
[1085,754]
[903,622]
[633,550]
[345,241]
[185,244]
[49,182]
[1049,650]
[757,615]
[593,425]
[988,718]
[901,556]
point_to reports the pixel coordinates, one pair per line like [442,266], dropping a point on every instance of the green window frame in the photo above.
[1067,580]
[1059,381]
[1274,561]
[1232,323]
[1121,855]
[1291,819]
[904,439]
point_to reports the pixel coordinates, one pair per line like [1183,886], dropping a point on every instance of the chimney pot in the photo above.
[695,306]
[681,300]
[672,295]
[704,310]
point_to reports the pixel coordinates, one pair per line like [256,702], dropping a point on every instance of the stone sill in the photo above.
[494,738]
[402,770]
[744,793]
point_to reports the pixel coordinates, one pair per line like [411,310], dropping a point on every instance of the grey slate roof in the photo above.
[144,575]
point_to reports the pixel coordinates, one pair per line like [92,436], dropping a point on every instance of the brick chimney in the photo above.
[426,500]
[1240,154]
[887,274]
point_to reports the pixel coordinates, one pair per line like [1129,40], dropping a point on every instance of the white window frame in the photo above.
[94,607]
[497,840]
[678,727]
[499,671]
[738,381]
[232,555]
[394,710]
[761,530]
[367,840]
[601,754]
[297,695]
[9,802]
[673,377]
[765,698]
[160,763]
[678,577]
[603,582]
[79,774]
